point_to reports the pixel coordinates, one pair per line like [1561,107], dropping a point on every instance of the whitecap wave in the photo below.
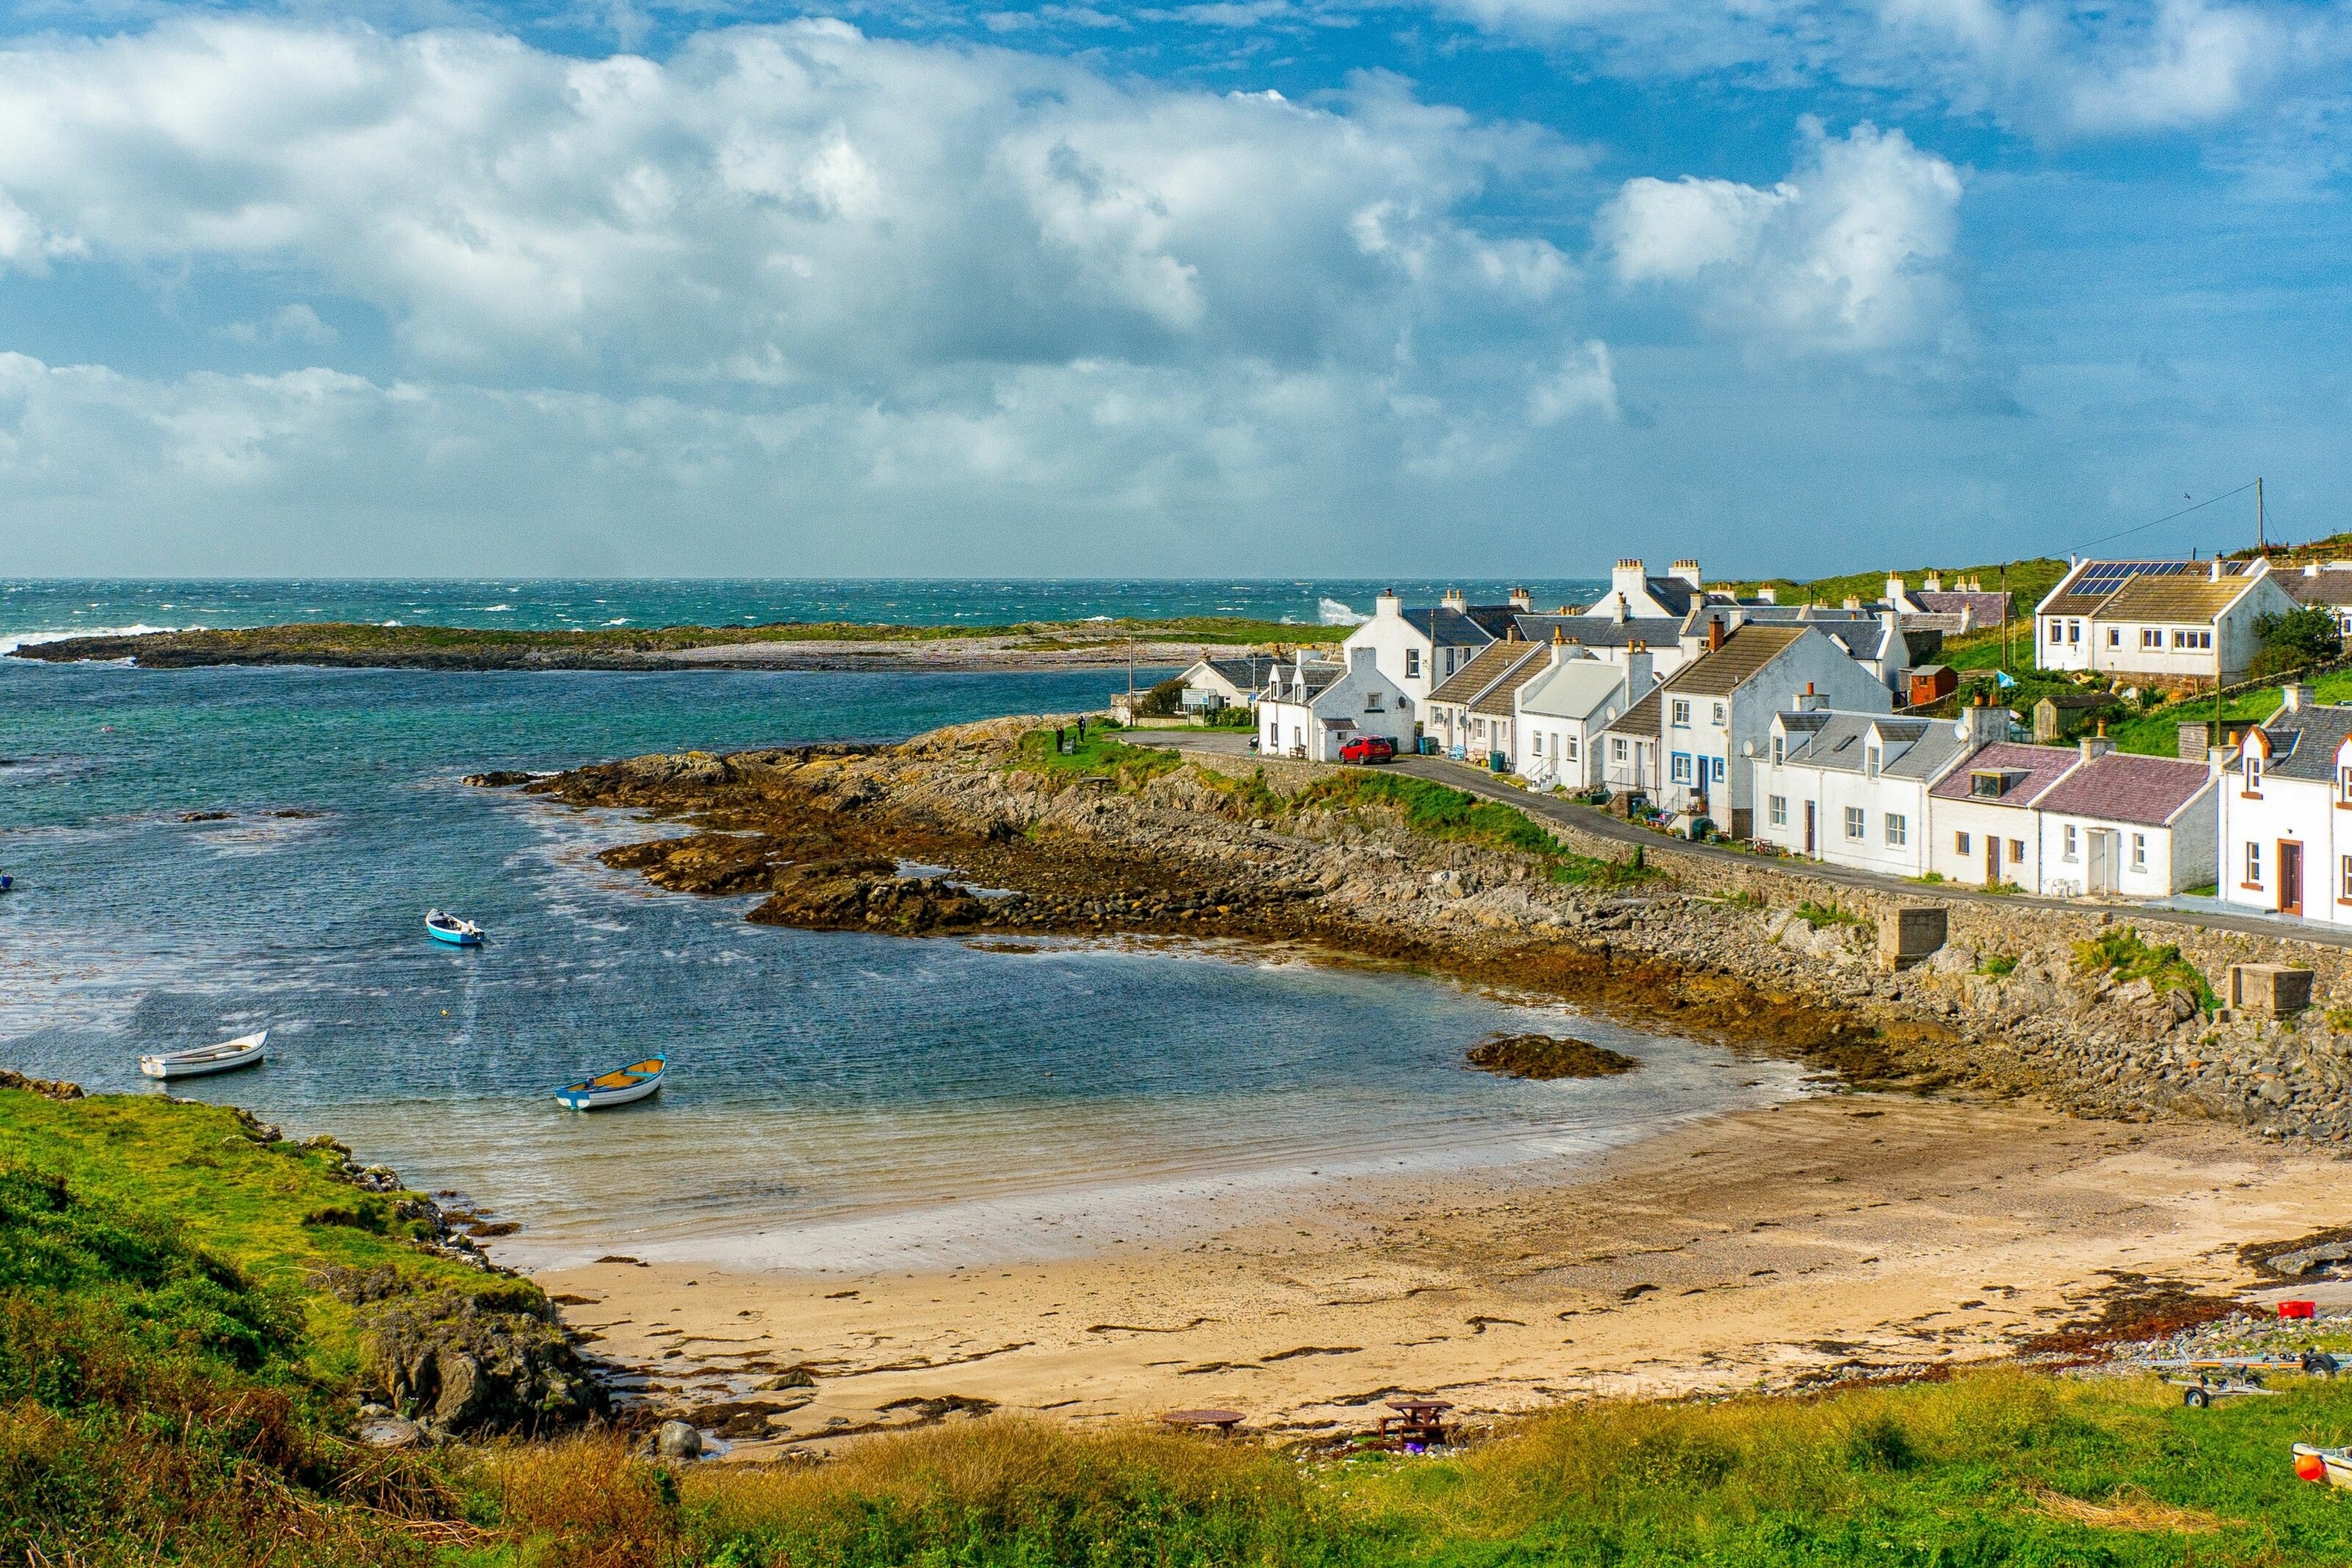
[11,641]
[1332,613]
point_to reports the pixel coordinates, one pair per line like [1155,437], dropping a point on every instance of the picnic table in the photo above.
[1222,1422]
[1416,1420]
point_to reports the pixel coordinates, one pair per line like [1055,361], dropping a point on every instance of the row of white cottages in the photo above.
[1776,725]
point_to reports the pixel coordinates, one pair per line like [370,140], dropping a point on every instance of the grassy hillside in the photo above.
[2028,580]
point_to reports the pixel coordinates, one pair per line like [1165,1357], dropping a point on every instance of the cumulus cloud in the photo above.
[1850,256]
[788,204]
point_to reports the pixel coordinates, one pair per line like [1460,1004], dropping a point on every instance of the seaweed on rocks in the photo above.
[1546,1056]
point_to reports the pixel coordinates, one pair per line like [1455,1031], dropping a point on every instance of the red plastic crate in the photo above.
[2298,1309]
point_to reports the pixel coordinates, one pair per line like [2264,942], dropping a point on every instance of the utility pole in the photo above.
[2004,622]
[2262,543]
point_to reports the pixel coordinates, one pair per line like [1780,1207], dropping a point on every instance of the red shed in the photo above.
[1932,683]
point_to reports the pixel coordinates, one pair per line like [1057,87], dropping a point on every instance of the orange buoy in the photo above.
[2310,1466]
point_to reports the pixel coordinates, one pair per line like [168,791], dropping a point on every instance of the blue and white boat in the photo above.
[618,1086]
[245,1051]
[451,929]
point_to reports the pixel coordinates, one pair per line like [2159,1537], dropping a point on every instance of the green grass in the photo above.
[1438,811]
[2120,951]
[1829,914]
[1100,755]
[2029,582]
[1997,964]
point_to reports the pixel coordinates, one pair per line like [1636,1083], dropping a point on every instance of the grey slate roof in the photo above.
[1927,746]
[1601,631]
[1447,627]
[2303,745]
[2322,587]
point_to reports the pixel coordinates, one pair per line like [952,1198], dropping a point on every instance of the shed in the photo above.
[2054,714]
[1931,683]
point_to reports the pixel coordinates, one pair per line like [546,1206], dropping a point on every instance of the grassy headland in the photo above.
[170,1390]
[471,648]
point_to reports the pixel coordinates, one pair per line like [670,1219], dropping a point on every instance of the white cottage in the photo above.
[1852,788]
[2177,621]
[1418,650]
[1985,829]
[2286,813]
[1563,711]
[1312,710]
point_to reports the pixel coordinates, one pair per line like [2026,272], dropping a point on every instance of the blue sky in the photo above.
[1283,287]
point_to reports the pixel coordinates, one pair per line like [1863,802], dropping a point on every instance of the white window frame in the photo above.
[2068,848]
[1857,824]
[1616,748]
[1679,717]
[1718,713]
[1413,664]
[2254,772]
[1681,768]
[1776,810]
[2139,852]
[2254,863]
[1898,830]
[2151,638]
[2115,636]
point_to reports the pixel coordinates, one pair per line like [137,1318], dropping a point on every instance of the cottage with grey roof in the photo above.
[2285,827]
[1852,788]
[1312,708]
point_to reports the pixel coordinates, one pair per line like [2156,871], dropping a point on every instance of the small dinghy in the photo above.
[618,1086]
[2333,1466]
[228,1056]
[451,929]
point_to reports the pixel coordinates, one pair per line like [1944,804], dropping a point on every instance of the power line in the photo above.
[2168,517]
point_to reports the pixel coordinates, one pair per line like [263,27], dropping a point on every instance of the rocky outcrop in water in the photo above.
[1548,1056]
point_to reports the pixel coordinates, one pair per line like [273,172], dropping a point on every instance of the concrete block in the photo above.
[2269,990]
[2195,739]
[1911,934]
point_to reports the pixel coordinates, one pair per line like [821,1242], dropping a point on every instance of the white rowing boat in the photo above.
[228,1056]
[618,1086]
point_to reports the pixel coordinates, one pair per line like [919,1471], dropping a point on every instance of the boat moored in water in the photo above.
[244,1051]
[450,929]
[618,1086]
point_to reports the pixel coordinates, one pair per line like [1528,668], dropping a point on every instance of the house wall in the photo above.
[2017,828]
[2068,865]
[2303,811]
[1834,792]
[1396,645]
[2071,650]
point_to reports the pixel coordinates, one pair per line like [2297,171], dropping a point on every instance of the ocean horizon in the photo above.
[37,609]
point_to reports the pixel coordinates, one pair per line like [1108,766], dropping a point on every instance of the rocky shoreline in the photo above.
[962,833]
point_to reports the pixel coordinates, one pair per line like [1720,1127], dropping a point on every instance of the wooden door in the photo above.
[2290,858]
[1809,827]
[1992,859]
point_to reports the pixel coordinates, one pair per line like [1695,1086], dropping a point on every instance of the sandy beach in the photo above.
[1835,1237]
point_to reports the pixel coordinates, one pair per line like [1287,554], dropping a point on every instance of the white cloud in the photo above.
[1849,256]
[798,199]
[2048,68]
[1585,383]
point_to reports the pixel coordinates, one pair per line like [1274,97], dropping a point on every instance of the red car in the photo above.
[1368,748]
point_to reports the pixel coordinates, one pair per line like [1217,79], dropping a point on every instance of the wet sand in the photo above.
[1834,1236]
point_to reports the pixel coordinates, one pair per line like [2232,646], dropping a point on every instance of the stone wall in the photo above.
[2072,1035]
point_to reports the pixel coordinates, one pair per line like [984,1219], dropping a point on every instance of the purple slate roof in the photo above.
[1988,607]
[2043,766]
[2121,787]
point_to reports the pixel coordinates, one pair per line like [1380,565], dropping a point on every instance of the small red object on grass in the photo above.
[2298,1309]
[2310,1467]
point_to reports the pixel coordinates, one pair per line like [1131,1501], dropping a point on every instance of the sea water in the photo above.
[38,609]
[205,852]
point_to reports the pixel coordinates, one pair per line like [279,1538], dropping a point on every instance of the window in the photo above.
[2017,851]
[1959,844]
[1856,825]
[2254,771]
[2183,637]
[1682,713]
[2346,894]
[1870,761]
[1777,809]
[2066,846]
[2344,783]
[1616,749]
[1413,664]
[1449,661]
[1898,831]
[2057,634]
[1565,746]
[2151,636]
[2115,636]
[2253,864]
[2073,631]
[1780,749]
[1371,701]
[2139,851]
[1682,767]
[1718,712]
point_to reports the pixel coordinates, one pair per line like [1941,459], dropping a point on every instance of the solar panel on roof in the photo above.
[2106,576]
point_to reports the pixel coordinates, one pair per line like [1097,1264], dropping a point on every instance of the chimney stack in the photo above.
[1715,635]
[1523,601]
[1387,606]
[2299,697]
[2097,745]
[1688,572]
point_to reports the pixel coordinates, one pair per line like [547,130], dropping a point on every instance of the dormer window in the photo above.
[2254,771]
[1780,755]
[1871,761]
[2343,784]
